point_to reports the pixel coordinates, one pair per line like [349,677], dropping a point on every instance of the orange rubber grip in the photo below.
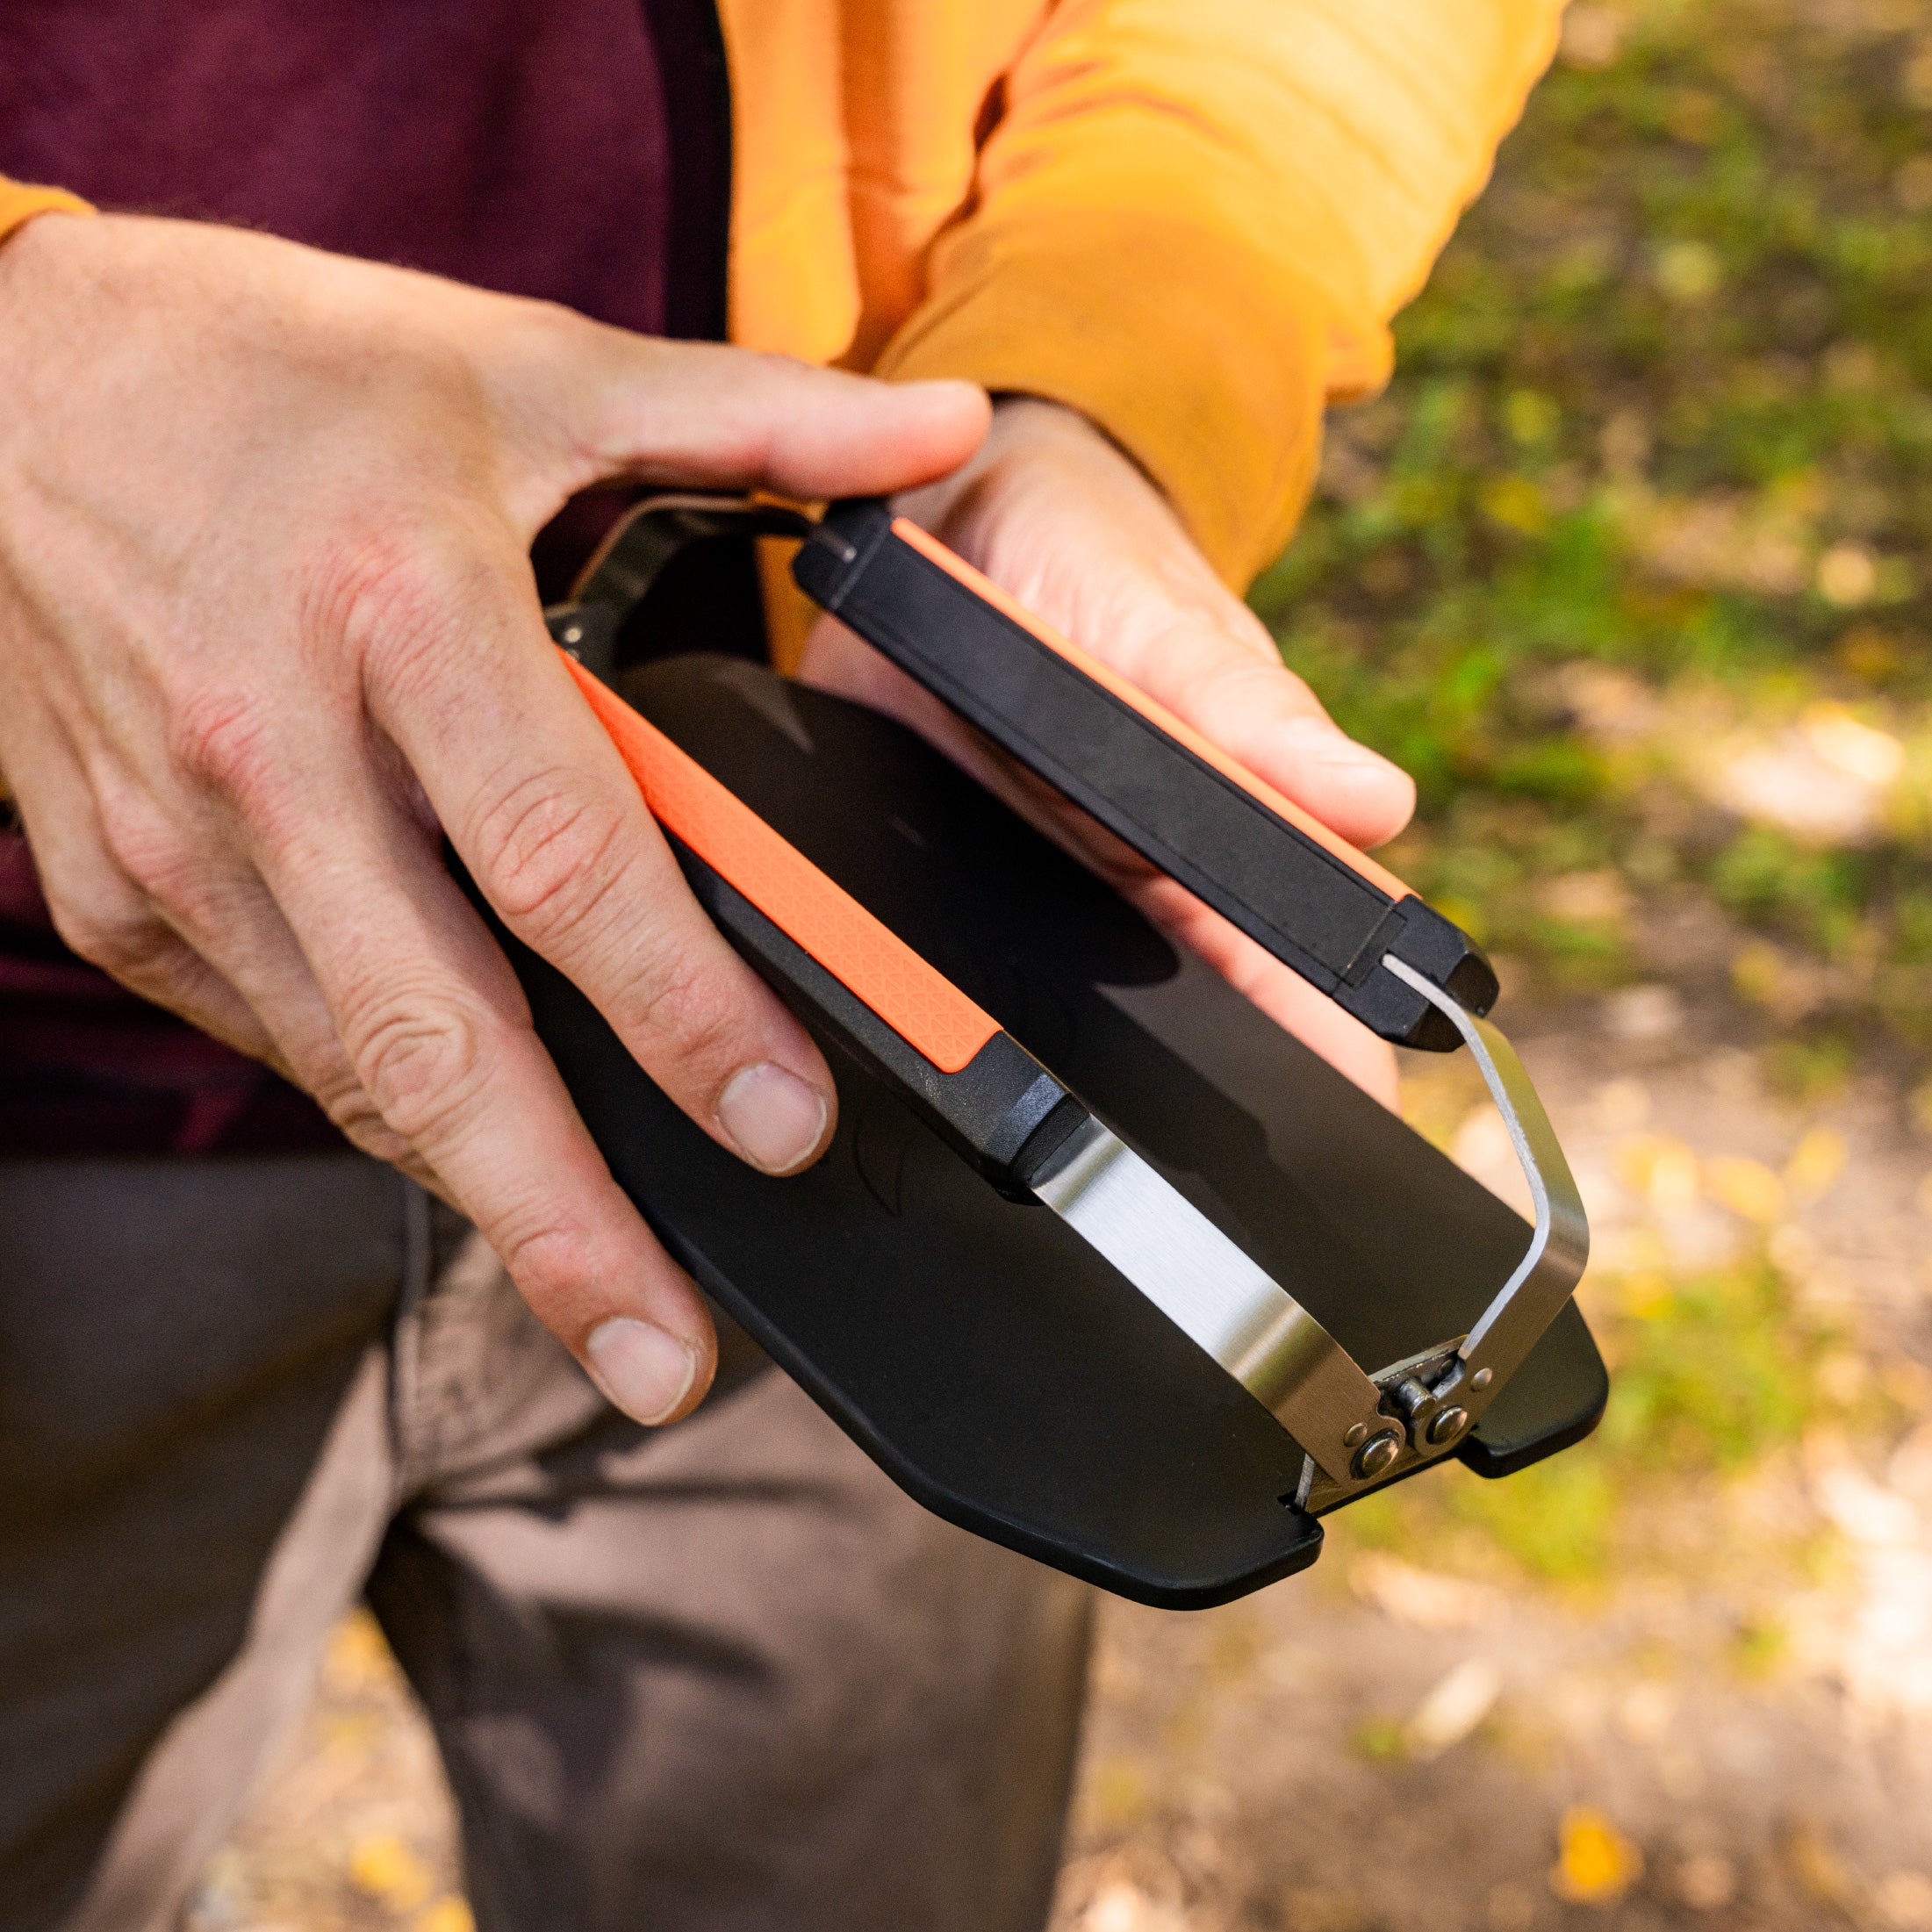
[918,1002]
[1151,708]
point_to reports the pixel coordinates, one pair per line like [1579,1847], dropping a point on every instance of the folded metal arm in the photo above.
[1439,1403]
[1553,1263]
[630,560]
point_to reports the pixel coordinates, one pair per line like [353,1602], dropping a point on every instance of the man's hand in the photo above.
[267,627]
[1055,514]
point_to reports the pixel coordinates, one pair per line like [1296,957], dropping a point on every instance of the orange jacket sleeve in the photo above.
[1194,220]
[21,201]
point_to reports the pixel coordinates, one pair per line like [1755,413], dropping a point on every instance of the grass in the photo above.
[1656,472]
[1632,567]
[1714,1374]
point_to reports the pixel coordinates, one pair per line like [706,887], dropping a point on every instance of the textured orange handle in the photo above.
[920,1004]
[1151,708]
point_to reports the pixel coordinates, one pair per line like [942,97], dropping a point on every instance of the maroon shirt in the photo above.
[572,150]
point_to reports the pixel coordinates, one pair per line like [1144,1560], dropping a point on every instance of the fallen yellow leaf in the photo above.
[1747,1188]
[357,1659]
[1816,1164]
[1517,502]
[1118,1792]
[1662,1168]
[1817,1867]
[387,1868]
[1595,1864]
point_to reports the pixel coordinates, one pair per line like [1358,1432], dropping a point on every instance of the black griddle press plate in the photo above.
[977,1349]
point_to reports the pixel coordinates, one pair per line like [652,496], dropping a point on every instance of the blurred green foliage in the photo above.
[1714,1369]
[1664,410]
[1712,1374]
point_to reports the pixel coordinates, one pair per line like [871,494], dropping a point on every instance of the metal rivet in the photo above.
[573,634]
[1377,1454]
[1481,1378]
[1356,1431]
[1448,1424]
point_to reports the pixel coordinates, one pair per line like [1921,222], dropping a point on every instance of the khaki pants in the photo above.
[724,1676]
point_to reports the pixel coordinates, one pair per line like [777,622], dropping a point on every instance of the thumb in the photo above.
[704,415]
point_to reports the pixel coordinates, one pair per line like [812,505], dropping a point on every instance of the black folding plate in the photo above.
[986,1358]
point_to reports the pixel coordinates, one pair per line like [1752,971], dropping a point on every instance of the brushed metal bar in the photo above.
[1214,1293]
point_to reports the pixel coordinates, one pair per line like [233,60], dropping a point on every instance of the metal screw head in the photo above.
[1375,1454]
[1448,1424]
[1353,1434]
[1481,1378]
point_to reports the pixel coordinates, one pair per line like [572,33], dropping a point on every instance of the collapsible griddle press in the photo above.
[1256,1295]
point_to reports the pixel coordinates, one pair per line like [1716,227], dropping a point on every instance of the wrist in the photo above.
[1042,464]
[1024,429]
[32,243]
[1056,512]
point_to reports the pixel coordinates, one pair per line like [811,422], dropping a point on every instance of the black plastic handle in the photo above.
[1003,1110]
[1330,912]
[836,964]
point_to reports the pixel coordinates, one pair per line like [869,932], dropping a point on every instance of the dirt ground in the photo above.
[1724,1726]
[1721,1723]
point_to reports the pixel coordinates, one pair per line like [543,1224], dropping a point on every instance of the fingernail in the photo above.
[645,1370]
[775,1118]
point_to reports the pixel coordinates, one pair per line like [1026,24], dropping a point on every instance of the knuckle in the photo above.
[537,337]
[331,1083]
[360,1122]
[121,937]
[1250,688]
[394,592]
[222,739]
[148,848]
[422,1066]
[685,1008]
[549,1259]
[549,856]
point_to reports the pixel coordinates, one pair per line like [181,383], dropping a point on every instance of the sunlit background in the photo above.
[1631,568]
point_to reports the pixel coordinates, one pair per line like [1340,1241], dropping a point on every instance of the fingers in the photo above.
[1262,715]
[553,829]
[98,908]
[185,925]
[708,416]
[835,659]
[252,672]
[422,1051]
[1056,514]
[436,1032]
